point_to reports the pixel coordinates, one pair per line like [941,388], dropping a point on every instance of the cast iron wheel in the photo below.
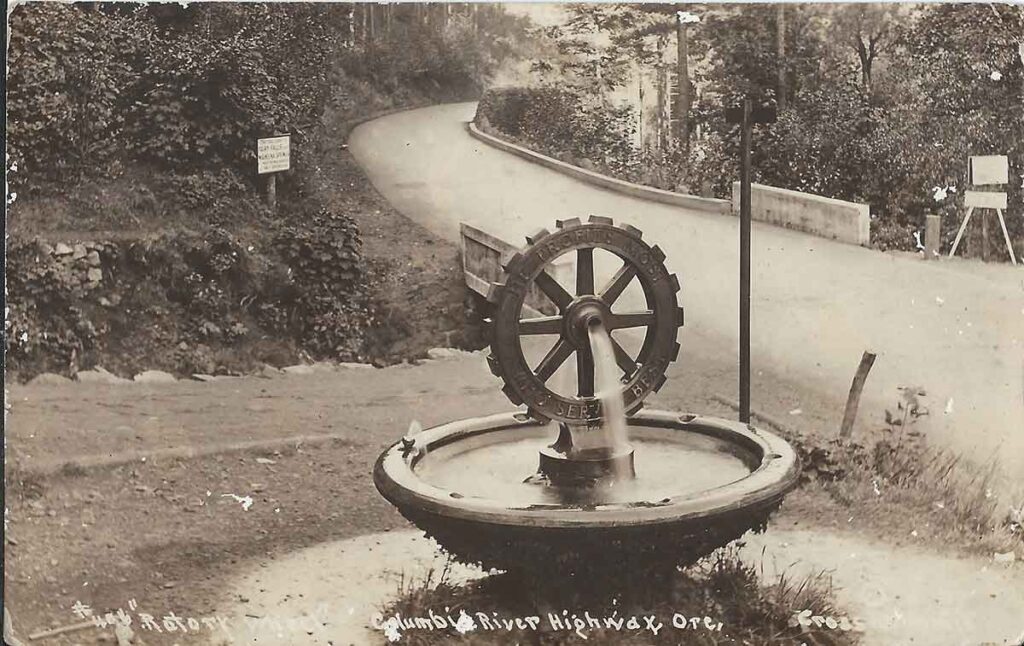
[661,318]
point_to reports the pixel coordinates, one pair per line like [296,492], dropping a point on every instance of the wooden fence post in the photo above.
[932,236]
[856,388]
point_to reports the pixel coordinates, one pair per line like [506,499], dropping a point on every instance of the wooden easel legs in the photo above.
[1002,225]
[1006,236]
[960,233]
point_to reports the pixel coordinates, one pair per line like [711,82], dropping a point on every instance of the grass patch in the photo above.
[928,494]
[900,488]
[720,600]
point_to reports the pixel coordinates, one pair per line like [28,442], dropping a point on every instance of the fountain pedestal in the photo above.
[618,487]
[587,467]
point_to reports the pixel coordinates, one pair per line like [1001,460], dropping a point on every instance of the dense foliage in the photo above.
[565,122]
[137,122]
[883,103]
[200,291]
[94,88]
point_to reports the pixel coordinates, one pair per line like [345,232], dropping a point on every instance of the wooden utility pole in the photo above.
[745,265]
[780,45]
[746,116]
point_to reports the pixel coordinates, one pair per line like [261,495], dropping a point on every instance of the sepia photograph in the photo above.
[513,323]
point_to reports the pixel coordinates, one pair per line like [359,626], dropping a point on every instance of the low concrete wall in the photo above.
[822,216]
[597,179]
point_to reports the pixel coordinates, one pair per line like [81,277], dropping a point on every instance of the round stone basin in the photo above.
[498,465]
[686,465]
[701,483]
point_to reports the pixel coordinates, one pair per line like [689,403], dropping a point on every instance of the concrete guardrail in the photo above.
[822,216]
[597,179]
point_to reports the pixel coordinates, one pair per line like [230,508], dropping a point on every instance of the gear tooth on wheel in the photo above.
[632,230]
[511,260]
[494,292]
[647,263]
[512,395]
[680,316]
[532,412]
[492,363]
[537,236]
[661,382]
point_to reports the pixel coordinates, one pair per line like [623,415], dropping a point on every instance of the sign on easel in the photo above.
[986,170]
[273,155]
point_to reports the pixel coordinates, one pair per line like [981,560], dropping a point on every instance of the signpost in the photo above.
[273,155]
[986,170]
[746,116]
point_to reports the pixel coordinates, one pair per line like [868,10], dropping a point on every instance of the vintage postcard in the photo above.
[426,323]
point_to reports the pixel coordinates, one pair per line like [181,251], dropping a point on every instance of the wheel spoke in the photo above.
[555,357]
[584,271]
[630,319]
[611,292]
[623,359]
[585,373]
[553,290]
[541,325]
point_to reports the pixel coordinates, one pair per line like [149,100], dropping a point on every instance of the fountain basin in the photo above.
[701,482]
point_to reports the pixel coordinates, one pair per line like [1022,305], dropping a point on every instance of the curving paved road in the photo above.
[955,328]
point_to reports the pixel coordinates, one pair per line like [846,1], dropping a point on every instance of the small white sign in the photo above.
[987,170]
[273,154]
[985,200]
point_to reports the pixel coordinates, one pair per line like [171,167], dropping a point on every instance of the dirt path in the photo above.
[899,596]
[902,595]
[50,425]
[951,327]
[170,534]
[337,587]
[167,532]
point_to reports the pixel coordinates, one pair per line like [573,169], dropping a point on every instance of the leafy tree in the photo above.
[868,29]
[70,75]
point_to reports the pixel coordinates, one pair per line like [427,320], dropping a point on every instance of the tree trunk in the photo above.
[780,46]
[866,57]
[660,139]
[366,24]
[683,83]
[352,26]
[373,21]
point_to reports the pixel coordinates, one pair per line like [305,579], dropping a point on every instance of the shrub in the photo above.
[70,84]
[565,123]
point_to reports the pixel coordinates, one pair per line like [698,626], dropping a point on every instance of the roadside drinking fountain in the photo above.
[586,477]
